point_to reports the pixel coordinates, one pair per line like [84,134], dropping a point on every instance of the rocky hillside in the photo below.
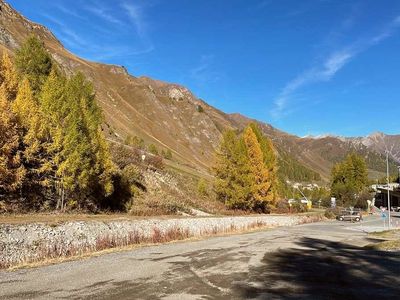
[171,117]
[381,142]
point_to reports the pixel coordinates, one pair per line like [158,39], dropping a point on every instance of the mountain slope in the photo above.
[319,154]
[171,117]
[381,142]
[161,113]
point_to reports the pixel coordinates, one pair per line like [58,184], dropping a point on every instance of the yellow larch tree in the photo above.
[262,193]
[12,172]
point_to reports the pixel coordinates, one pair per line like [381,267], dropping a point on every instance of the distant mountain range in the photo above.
[171,117]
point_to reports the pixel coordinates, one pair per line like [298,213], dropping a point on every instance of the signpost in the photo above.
[369,202]
[383,216]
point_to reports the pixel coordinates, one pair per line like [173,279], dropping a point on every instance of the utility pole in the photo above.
[388,188]
[398,178]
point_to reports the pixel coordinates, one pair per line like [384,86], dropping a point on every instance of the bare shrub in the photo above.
[155,161]
[256,224]
[157,205]
[176,233]
[298,207]
[330,213]
[282,207]
[135,237]
[311,219]
[123,155]
[157,236]
[215,230]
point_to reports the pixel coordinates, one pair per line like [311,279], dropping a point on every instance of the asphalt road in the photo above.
[315,261]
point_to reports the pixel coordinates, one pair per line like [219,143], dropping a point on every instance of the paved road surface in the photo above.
[314,261]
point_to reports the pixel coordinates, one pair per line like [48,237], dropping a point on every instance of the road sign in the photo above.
[384,216]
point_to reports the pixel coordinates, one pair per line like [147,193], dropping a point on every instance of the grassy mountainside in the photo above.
[319,154]
[172,118]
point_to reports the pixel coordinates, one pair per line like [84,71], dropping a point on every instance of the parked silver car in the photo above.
[350,215]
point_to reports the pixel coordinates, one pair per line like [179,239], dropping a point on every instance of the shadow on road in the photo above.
[324,270]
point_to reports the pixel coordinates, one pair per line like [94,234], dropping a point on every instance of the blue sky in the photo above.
[306,67]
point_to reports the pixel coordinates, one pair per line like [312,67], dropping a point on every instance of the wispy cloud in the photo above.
[104,14]
[74,39]
[65,33]
[69,11]
[135,13]
[124,15]
[203,72]
[53,20]
[205,61]
[107,52]
[326,70]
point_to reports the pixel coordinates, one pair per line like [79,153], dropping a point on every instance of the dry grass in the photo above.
[390,240]
[58,218]
[387,234]
[393,245]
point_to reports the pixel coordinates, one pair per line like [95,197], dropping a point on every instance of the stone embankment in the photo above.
[20,244]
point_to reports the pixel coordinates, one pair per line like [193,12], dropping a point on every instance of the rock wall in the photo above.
[37,241]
